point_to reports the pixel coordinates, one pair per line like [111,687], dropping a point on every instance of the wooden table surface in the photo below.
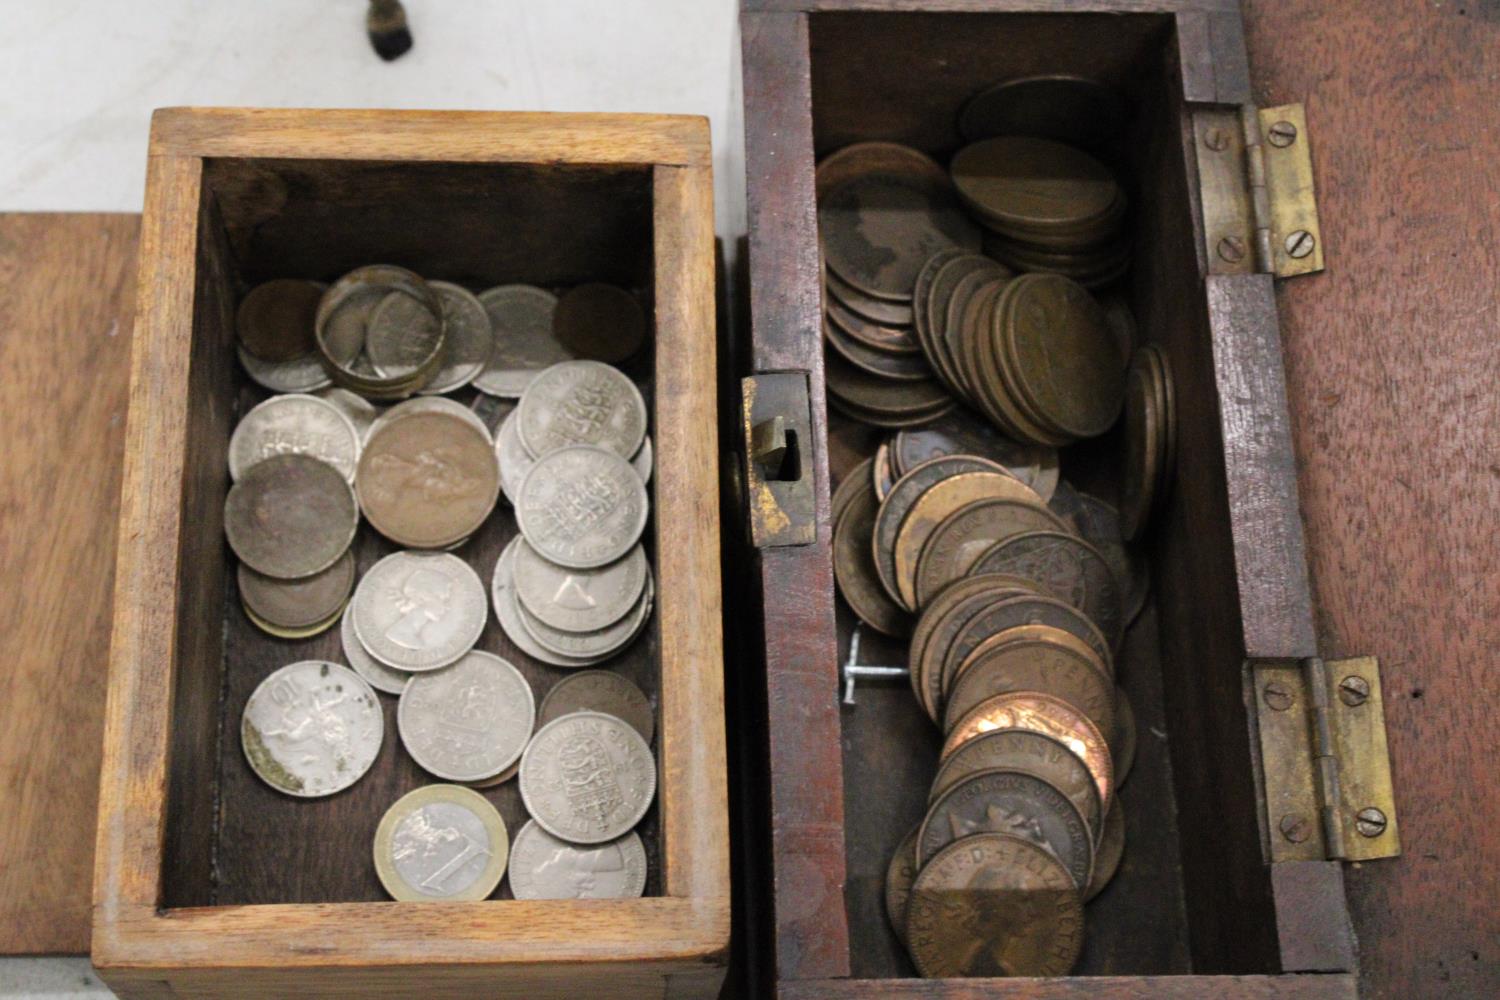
[1393,361]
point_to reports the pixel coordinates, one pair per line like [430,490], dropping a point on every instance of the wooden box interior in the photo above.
[231,839]
[1193,893]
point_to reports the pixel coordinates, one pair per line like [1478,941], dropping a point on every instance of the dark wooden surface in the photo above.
[1391,358]
[1339,987]
[67,287]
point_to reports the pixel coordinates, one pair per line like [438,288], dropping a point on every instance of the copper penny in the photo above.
[1063,355]
[998,375]
[956,544]
[1123,744]
[900,367]
[1110,850]
[872,309]
[882,471]
[599,321]
[935,504]
[967,589]
[881,395]
[275,319]
[599,691]
[1029,751]
[428,479]
[298,604]
[1142,452]
[947,618]
[922,324]
[290,516]
[1013,802]
[1032,609]
[964,433]
[1033,183]
[933,312]
[1034,658]
[1099,524]
[1071,109]
[854,567]
[994,905]
[847,487]
[898,502]
[861,159]
[899,875]
[1044,714]
[886,419]
[1066,567]
[891,339]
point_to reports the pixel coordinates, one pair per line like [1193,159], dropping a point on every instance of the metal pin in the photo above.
[853,669]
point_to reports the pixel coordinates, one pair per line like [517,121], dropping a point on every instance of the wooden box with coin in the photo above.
[283,805]
[1021,515]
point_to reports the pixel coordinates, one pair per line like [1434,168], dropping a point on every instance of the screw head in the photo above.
[1370,822]
[1295,828]
[1299,244]
[1278,696]
[1282,134]
[1354,690]
[1216,139]
[1232,249]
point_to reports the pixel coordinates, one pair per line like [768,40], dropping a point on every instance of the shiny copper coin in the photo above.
[275,319]
[599,321]
[1032,752]
[939,501]
[1034,658]
[872,309]
[1044,714]
[1071,109]
[1063,355]
[963,432]
[1123,741]
[1066,567]
[290,516]
[993,904]
[854,567]
[899,875]
[1014,802]
[428,479]
[955,546]
[891,339]
[1142,452]
[942,619]
[1110,850]
[898,367]
[898,503]
[882,471]
[847,488]
[298,604]
[1033,183]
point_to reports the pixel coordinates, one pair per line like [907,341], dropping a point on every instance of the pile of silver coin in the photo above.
[572,589]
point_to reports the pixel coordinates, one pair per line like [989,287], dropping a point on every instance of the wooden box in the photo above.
[209,884]
[1199,908]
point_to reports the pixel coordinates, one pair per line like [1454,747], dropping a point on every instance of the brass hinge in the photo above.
[776,424]
[1255,185]
[1324,761]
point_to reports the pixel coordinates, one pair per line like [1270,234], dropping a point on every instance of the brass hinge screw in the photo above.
[1282,134]
[1354,690]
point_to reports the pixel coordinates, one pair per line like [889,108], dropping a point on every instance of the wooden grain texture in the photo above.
[187,834]
[1338,987]
[1391,359]
[66,287]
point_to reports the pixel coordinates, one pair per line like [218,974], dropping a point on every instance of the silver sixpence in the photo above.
[441,843]
[311,729]
[361,412]
[580,600]
[514,461]
[521,326]
[467,339]
[600,691]
[419,610]
[294,424]
[302,375]
[582,402]
[543,867]
[508,613]
[590,646]
[643,460]
[468,722]
[376,674]
[587,778]
[582,507]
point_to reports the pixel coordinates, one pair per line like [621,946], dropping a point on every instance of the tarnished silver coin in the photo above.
[467,340]
[294,424]
[579,600]
[294,605]
[311,729]
[376,674]
[514,461]
[469,721]
[642,462]
[301,375]
[419,611]
[582,507]
[521,326]
[361,412]
[403,335]
[600,691]
[582,402]
[441,843]
[543,867]
[587,778]
[508,613]
[591,646]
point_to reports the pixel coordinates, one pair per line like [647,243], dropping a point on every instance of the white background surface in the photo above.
[82,77]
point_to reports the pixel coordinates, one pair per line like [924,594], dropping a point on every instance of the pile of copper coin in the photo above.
[316,460]
[988,291]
